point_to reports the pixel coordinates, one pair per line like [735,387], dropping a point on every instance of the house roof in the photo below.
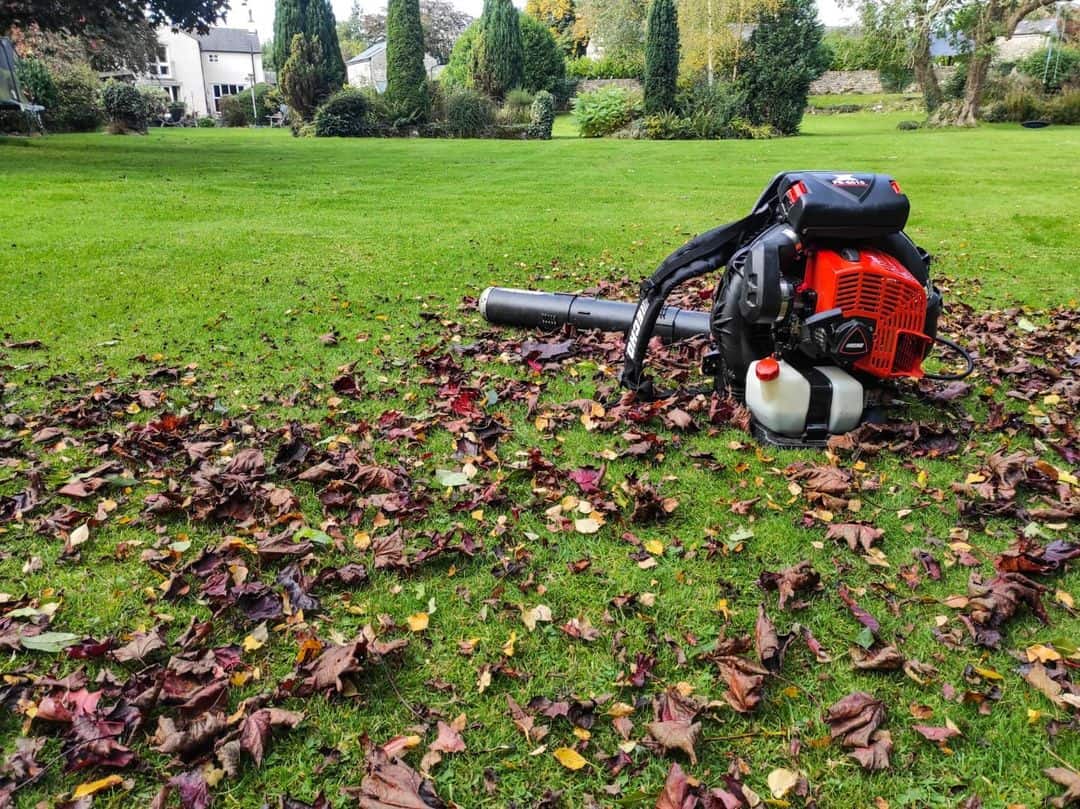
[368,52]
[1047,26]
[228,40]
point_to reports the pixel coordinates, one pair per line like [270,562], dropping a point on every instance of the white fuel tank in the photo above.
[778,396]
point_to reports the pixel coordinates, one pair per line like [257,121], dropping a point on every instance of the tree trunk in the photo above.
[973,88]
[924,72]
[995,18]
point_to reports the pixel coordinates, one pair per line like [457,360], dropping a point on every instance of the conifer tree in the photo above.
[314,19]
[661,56]
[406,77]
[498,55]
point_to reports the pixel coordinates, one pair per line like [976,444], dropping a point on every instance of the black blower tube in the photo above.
[528,309]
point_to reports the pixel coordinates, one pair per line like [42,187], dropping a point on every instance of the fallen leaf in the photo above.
[569,758]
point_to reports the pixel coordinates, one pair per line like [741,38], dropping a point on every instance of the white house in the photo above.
[1030,36]
[200,69]
[368,68]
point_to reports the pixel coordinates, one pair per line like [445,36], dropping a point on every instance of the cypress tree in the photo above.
[319,22]
[661,56]
[312,18]
[288,22]
[406,77]
[498,56]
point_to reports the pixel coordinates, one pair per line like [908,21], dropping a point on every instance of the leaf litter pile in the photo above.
[258,535]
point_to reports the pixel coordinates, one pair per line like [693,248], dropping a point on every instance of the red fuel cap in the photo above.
[767,369]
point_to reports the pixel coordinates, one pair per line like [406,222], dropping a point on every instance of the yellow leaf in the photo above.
[586,525]
[361,540]
[133,408]
[89,788]
[620,709]
[582,734]
[256,639]
[1064,598]
[418,621]
[723,608]
[782,781]
[508,647]
[974,477]
[1033,716]
[654,546]
[569,758]
[989,674]
[1042,654]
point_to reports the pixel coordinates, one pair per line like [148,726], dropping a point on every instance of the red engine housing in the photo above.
[875,287]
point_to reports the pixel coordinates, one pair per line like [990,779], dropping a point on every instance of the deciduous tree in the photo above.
[77,16]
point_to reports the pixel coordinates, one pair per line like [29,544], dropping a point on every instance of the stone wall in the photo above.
[588,85]
[836,82]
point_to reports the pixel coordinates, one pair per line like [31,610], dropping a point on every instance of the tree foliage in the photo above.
[661,57]
[617,26]
[301,77]
[458,72]
[561,17]
[406,78]
[713,33]
[443,23]
[315,20]
[783,56]
[115,43]
[80,16]
[498,57]
[544,66]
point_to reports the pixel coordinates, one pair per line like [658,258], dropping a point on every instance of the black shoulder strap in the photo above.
[702,254]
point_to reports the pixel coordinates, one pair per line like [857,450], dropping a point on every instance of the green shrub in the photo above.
[542,116]
[301,78]
[206,122]
[469,114]
[894,79]
[78,102]
[668,125]
[953,87]
[909,126]
[543,65]
[343,115]
[606,110]
[710,110]
[36,81]
[458,72]
[1062,67]
[155,102]
[267,100]
[784,54]
[1023,105]
[516,108]
[235,112]
[994,113]
[125,109]
[1065,108]
[606,68]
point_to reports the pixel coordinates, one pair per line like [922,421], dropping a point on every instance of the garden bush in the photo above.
[78,104]
[606,110]
[668,125]
[1064,108]
[155,102]
[542,116]
[896,79]
[235,112]
[953,87]
[125,108]
[469,114]
[710,110]
[543,63]
[1063,67]
[606,68]
[267,100]
[206,122]
[36,81]
[516,108]
[1022,104]
[343,115]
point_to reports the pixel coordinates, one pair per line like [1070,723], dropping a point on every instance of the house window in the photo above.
[222,90]
[160,67]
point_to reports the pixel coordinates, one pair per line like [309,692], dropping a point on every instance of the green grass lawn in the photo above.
[227,253]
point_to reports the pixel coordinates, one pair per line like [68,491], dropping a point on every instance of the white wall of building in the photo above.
[229,69]
[185,70]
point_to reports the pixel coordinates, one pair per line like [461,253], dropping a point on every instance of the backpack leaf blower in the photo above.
[823,295]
